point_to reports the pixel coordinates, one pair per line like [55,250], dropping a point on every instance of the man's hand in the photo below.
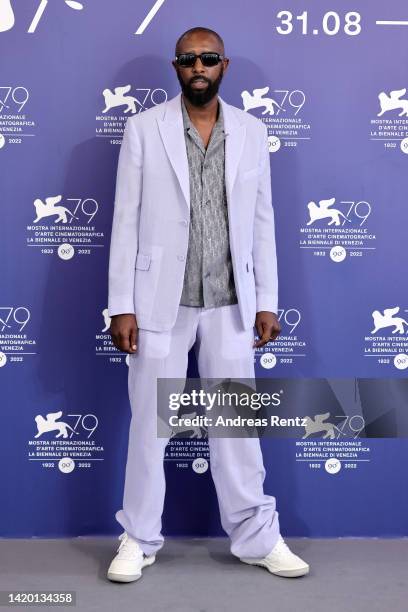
[267,326]
[124,332]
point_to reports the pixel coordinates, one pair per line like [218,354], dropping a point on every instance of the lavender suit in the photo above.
[150,236]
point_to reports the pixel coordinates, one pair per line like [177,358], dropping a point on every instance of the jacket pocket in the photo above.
[147,276]
[143,261]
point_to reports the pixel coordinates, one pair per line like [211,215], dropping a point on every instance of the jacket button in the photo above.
[184,222]
[180,257]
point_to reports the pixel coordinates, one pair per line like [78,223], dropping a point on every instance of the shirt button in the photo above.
[180,257]
[184,222]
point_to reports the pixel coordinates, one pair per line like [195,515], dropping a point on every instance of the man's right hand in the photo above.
[124,332]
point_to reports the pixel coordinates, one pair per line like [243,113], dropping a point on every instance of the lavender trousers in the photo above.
[224,350]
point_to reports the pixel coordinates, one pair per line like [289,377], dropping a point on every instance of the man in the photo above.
[193,263]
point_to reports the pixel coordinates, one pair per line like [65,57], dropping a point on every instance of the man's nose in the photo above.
[198,65]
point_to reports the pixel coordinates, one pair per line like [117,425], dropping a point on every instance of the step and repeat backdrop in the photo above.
[330,83]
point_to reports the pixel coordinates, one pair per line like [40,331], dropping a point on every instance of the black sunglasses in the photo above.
[208,58]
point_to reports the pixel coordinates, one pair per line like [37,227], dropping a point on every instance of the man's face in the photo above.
[199,83]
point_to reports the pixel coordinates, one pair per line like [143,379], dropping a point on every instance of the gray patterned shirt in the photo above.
[208,278]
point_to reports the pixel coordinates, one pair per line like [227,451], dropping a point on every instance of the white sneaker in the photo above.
[281,561]
[128,563]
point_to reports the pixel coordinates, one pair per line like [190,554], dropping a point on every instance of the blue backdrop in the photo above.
[330,83]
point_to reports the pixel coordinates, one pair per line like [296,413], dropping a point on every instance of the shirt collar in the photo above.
[188,124]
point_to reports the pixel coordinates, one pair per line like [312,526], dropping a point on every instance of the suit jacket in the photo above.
[151,216]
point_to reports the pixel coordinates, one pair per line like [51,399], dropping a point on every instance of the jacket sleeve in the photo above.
[264,247]
[125,223]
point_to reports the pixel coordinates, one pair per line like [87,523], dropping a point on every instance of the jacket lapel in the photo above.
[172,133]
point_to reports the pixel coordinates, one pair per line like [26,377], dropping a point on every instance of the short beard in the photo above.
[198,97]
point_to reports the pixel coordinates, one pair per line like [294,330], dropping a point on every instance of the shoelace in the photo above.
[128,549]
[281,547]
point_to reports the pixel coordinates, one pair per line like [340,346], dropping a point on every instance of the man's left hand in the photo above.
[267,326]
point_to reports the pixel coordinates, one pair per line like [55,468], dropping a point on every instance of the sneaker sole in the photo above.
[295,573]
[130,577]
